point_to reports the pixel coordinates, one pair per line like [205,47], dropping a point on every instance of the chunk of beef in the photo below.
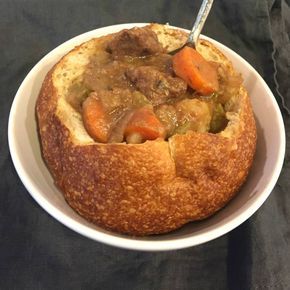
[157,86]
[138,41]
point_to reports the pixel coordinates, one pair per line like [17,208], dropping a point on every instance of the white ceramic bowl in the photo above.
[25,152]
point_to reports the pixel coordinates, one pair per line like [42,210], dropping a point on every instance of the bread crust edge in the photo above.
[149,188]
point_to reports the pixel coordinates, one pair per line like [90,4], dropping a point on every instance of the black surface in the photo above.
[37,252]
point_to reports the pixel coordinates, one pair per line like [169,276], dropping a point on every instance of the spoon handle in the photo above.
[199,22]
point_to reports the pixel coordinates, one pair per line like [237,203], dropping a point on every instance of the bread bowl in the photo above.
[148,188]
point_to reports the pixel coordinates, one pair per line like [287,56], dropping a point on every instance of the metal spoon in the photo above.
[197,27]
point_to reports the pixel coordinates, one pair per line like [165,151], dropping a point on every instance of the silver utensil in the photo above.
[198,25]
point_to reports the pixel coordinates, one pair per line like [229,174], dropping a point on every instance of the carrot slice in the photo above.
[95,119]
[145,123]
[199,74]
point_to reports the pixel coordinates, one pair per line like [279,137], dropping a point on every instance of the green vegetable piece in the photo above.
[183,128]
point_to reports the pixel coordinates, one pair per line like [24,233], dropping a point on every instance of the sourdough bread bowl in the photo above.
[26,155]
[149,188]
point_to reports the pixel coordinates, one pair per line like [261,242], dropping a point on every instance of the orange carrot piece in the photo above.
[145,123]
[95,119]
[199,74]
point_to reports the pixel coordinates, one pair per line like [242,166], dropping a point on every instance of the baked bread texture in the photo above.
[148,188]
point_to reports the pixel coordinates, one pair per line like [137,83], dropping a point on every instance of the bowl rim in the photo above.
[128,242]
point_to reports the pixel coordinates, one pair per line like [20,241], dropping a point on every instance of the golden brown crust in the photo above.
[149,188]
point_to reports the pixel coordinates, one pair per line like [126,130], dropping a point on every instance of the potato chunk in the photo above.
[193,114]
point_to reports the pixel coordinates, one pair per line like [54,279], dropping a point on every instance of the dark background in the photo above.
[37,252]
